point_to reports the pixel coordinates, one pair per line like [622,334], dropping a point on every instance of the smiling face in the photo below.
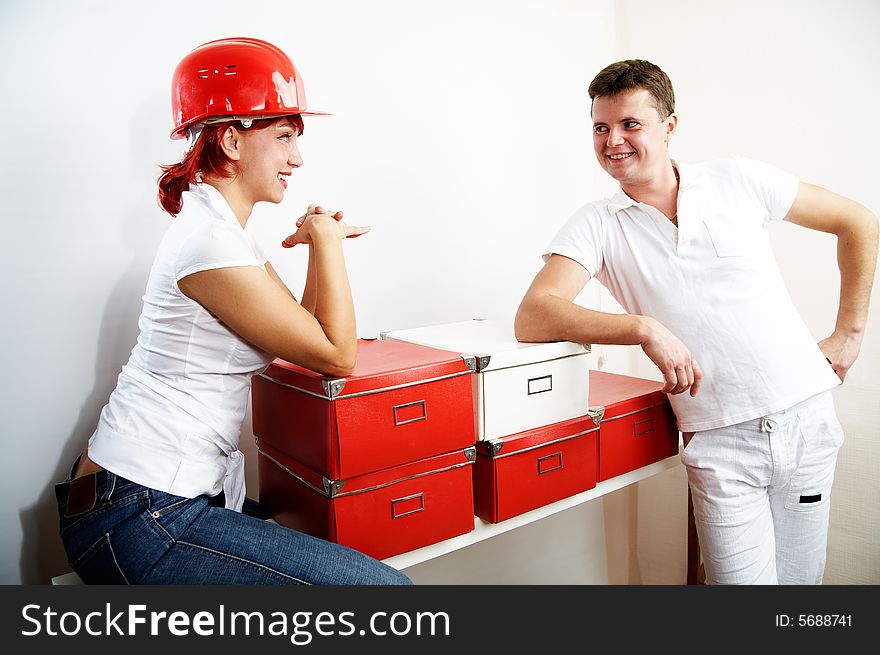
[630,137]
[267,158]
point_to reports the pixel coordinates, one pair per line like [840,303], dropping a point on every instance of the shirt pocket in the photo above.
[727,239]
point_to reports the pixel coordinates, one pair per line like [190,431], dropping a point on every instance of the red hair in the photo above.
[205,159]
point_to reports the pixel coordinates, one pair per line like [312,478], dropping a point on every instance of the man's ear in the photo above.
[229,142]
[671,124]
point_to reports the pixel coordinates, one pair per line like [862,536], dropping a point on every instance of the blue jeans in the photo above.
[118,532]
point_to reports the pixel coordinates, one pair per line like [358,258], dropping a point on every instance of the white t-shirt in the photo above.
[713,282]
[174,420]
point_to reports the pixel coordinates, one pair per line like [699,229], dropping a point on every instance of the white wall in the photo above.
[457,135]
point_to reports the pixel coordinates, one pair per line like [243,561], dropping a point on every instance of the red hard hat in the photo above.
[235,77]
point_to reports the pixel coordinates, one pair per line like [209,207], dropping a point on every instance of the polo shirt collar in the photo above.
[688,176]
[620,201]
[215,200]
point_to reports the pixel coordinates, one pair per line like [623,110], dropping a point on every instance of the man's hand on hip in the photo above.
[841,350]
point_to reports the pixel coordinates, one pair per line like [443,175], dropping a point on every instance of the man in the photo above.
[684,249]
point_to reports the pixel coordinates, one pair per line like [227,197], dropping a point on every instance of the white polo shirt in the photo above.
[174,420]
[713,282]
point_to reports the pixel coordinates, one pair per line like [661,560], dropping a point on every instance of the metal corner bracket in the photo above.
[333,388]
[469,361]
[333,487]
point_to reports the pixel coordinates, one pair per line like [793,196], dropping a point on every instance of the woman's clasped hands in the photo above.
[317,222]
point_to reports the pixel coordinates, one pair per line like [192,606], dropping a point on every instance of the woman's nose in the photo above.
[294,158]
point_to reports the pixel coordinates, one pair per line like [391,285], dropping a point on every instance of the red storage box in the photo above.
[637,426]
[524,471]
[381,514]
[402,403]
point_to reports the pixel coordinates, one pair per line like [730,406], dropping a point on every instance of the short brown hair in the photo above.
[635,74]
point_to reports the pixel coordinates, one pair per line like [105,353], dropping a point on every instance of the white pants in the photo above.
[762,491]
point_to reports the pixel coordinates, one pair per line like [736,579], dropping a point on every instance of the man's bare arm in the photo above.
[857,233]
[547,313]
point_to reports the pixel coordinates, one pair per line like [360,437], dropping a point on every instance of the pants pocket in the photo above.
[810,486]
[162,508]
[687,437]
[811,492]
[807,500]
[98,565]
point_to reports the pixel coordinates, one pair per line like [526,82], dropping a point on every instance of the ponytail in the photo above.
[174,181]
[205,158]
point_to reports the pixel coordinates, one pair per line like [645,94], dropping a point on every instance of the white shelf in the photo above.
[484,530]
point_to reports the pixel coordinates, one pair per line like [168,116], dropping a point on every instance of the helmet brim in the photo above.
[181,132]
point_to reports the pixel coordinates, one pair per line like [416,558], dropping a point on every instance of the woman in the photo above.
[156,496]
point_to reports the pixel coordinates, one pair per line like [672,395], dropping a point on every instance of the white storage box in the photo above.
[517,386]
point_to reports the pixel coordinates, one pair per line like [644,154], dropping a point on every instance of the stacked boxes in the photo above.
[536,443]
[379,461]
[547,426]
[439,423]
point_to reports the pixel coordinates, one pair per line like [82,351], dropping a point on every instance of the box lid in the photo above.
[537,437]
[615,394]
[380,365]
[491,342]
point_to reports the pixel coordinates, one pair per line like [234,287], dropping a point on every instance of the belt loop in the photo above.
[112,480]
